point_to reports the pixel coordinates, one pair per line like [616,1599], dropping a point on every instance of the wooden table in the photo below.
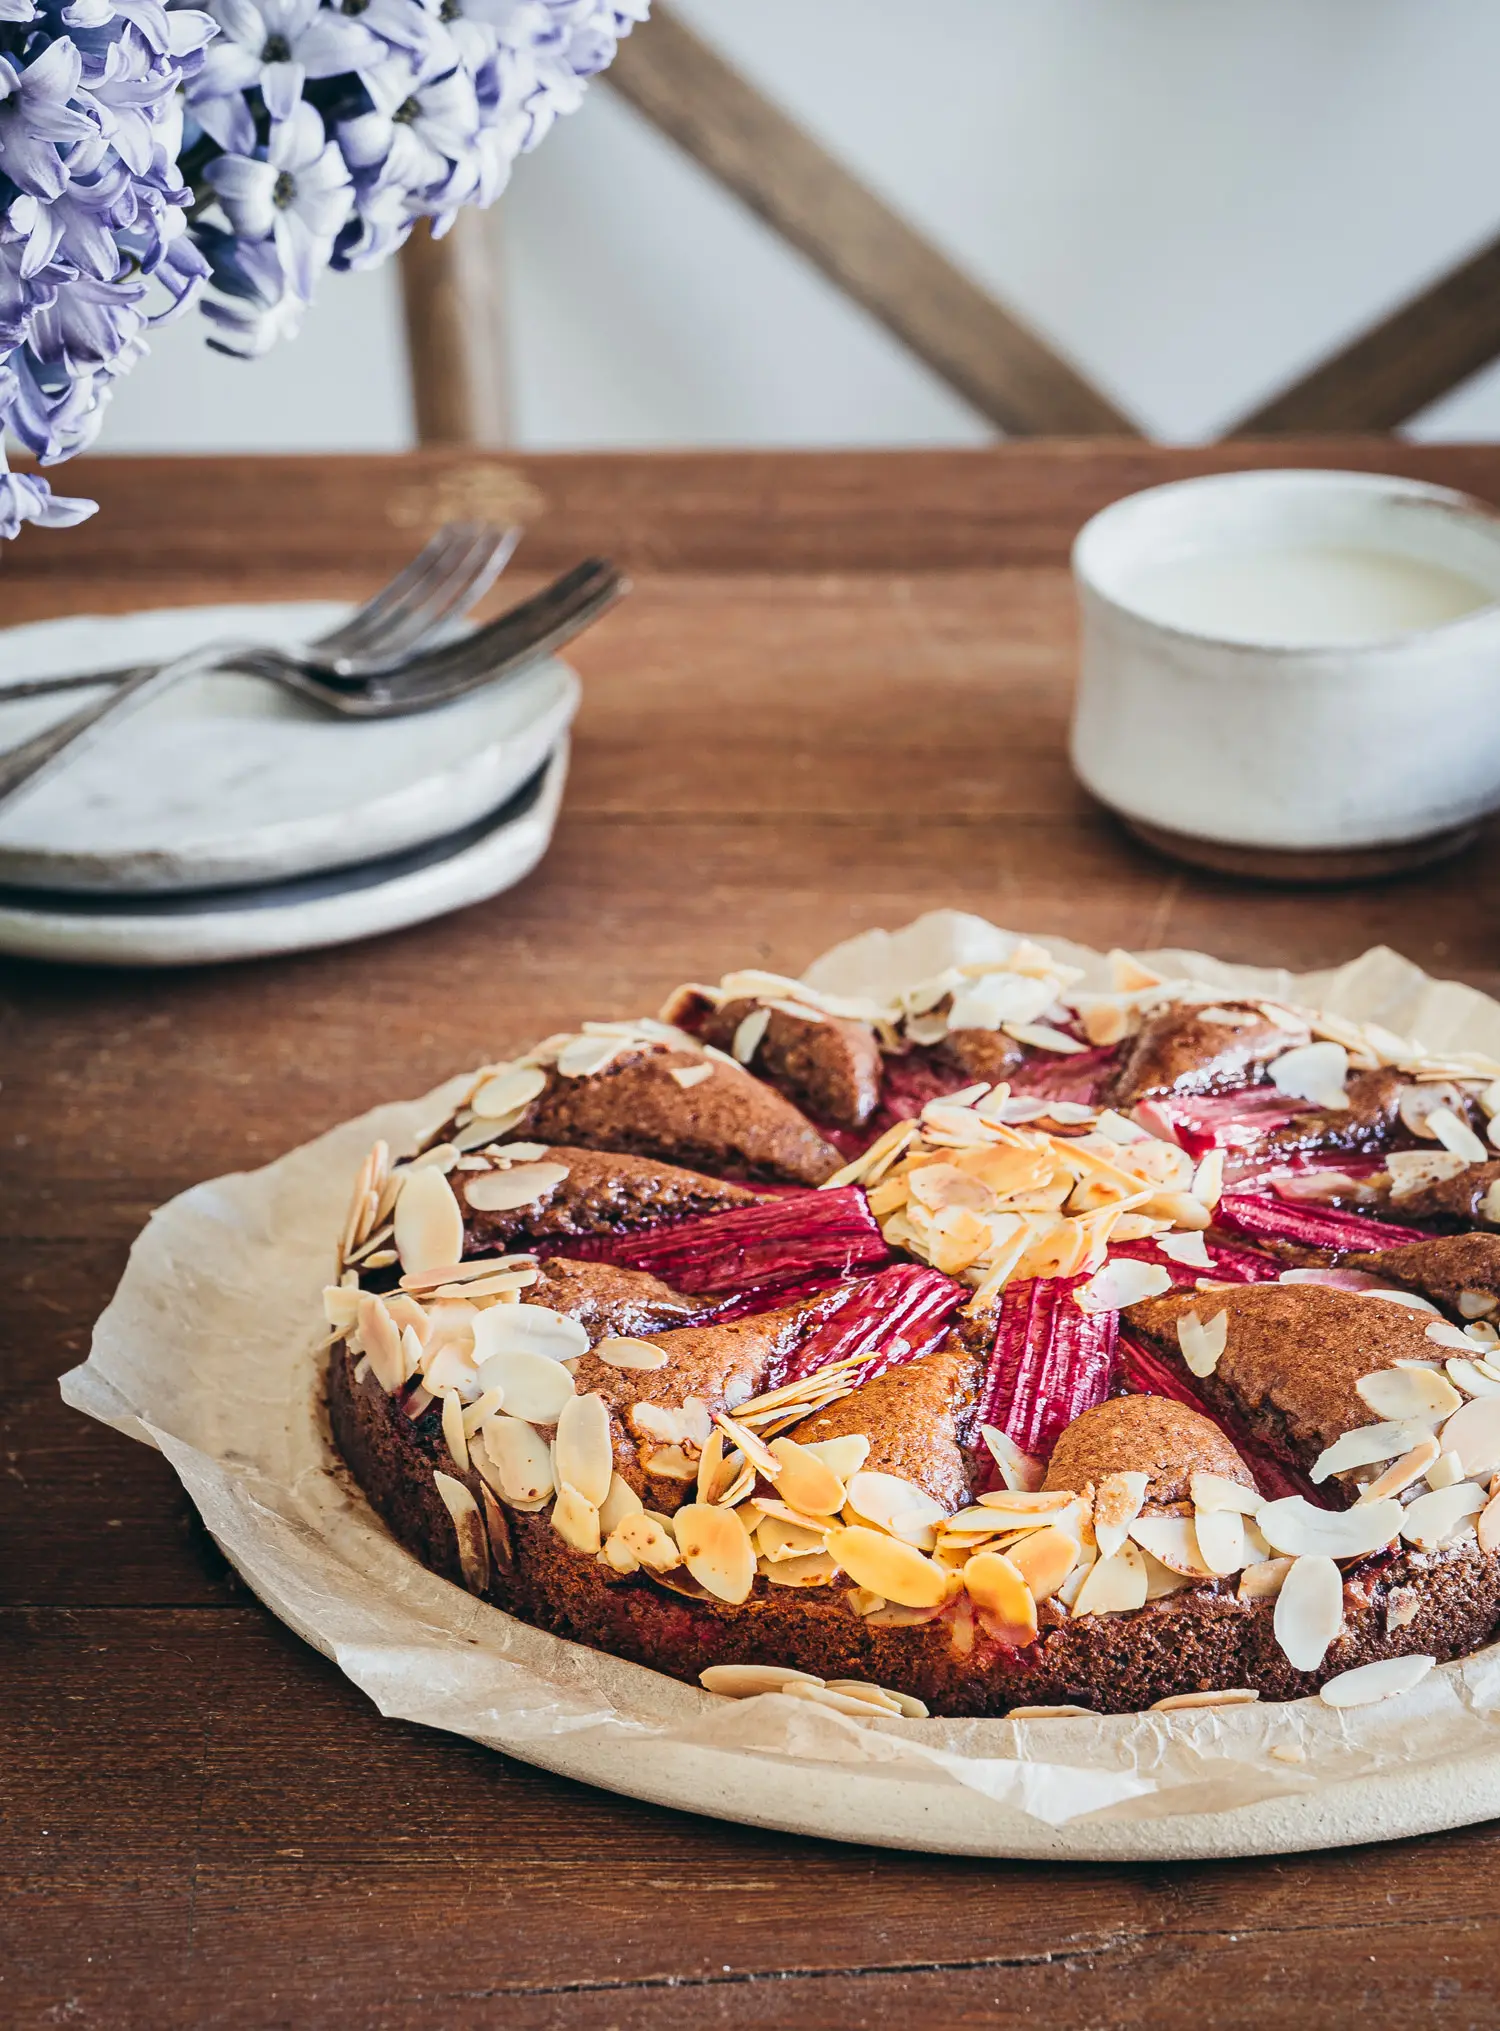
[837,698]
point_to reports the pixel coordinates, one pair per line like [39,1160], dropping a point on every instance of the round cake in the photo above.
[998,1346]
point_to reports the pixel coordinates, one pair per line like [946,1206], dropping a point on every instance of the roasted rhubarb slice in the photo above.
[889,1318]
[1145,1373]
[1051,1361]
[1075,1075]
[1236,1122]
[1266,1217]
[765,1248]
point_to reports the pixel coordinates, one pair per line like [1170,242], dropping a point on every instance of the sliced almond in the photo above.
[1456,1135]
[536,1329]
[805,1481]
[508,1191]
[1315,1072]
[1432,1519]
[754,1448]
[816,1569]
[1227,1696]
[1217,1491]
[1368,1446]
[1044,1560]
[1470,1377]
[534,1387]
[748,1034]
[1381,1680]
[1295,1526]
[689,1076]
[1401,1473]
[1017,1469]
[429,1225]
[468,1525]
[620,1501]
[1221,1539]
[1122,1281]
[585,1447]
[1409,1393]
[747,1681]
[1173,1540]
[382,1343]
[1309,1611]
[1058,1713]
[1264,1581]
[716,1550]
[844,1455]
[516,1460]
[576,1520]
[1488,1526]
[1473,1432]
[1028,1503]
[507,1092]
[621,1352]
[1116,1506]
[1202,1343]
[1114,1585]
[776,1539]
[454,1436]
[887,1566]
[649,1538]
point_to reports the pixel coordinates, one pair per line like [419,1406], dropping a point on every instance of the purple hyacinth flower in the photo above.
[36,114]
[299,196]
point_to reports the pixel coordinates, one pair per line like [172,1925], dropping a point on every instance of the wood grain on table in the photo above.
[837,697]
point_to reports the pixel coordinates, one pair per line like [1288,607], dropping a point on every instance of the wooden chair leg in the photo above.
[452,293]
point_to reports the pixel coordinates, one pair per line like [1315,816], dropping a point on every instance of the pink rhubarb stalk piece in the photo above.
[764,1249]
[1145,1373]
[1050,1362]
[1198,1122]
[1265,1217]
[893,1317]
[1074,1075]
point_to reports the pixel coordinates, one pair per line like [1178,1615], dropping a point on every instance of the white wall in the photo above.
[1195,198]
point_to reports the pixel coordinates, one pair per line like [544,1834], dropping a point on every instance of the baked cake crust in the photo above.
[711,1343]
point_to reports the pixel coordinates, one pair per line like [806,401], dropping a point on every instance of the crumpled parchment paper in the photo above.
[210,1350]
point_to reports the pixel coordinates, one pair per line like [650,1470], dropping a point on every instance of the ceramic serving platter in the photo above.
[490,853]
[230,781]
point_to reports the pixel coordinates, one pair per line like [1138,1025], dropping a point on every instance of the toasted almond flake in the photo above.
[746,1681]
[535,1387]
[1488,1526]
[507,1191]
[481,1411]
[688,1076]
[1295,1526]
[845,1455]
[1403,1472]
[994,1584]
[1227,1696]
[508,1092]
[1309,1611]
[1473,1432]
[750,1444]
[1044,1560]
[1456,1135]
[672,1463]
[1190,1249]
[622,1352]
[1432,1519]
[716,1550]
[468,1526]
[617,1555]
[1470,1378]
[805,1481]
[1445,1472]
[1174,1541]
[776,1538]
[530,1329]
[429,1226]
[1264,1581]
[1478,1304]
[1058,1713]
[1043,1037]
[649,1537]
[1217,1491]
[895,1505]
[453,1430]
[817,1569]
[1415,1393]
[748,1035]
[516,1460]
[499,1285]
[585,1449]
[1367,1683]
[1117,1503]
[1315,1072]
[1122,1281]
[576,1520]
[583,1057]
[1221,1539]
[1367,1446]
[619,1502]
[382,1343]
[1017,1469]
[874,1698]
[426,1282]
[383,1258]
[1203,1343]
[1114,1585]
[887,1566]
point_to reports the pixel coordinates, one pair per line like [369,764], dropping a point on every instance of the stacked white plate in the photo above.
[230,819]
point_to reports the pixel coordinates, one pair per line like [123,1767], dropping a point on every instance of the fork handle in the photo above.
[78,680]
[22,767]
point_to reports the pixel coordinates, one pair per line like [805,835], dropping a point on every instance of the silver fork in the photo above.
[448,576]
[432,677]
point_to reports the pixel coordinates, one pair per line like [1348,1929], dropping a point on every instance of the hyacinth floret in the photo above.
[155,153]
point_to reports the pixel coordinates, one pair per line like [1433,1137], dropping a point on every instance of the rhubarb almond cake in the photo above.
[1000,1346]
